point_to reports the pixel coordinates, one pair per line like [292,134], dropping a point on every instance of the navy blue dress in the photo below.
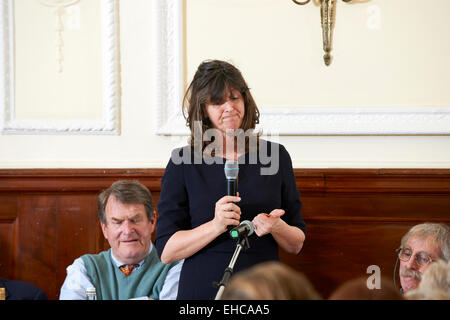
[188,197]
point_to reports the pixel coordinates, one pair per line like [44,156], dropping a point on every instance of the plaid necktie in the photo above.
[127,268]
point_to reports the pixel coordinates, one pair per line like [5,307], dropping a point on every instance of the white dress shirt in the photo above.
[77,281]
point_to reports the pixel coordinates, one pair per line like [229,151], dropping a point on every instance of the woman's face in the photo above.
[229,114]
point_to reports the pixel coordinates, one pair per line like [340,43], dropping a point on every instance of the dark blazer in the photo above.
[20,290]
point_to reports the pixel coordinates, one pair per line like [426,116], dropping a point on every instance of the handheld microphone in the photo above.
[246,228]
[231,170]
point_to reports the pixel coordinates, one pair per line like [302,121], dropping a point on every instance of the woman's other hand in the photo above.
[267,223]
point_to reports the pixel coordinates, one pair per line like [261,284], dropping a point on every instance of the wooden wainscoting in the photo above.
[355,218]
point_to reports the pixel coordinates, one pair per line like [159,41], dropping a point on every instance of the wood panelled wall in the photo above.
[355,218]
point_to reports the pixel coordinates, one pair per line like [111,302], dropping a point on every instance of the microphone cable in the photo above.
[395,274]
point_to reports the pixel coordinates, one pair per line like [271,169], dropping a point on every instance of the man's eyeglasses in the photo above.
[421,258]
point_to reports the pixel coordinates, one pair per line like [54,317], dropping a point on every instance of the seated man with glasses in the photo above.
[423,244]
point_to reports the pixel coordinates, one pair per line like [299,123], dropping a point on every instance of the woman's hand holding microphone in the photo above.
[227,213]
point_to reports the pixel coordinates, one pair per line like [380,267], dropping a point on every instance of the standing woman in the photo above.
[194,211]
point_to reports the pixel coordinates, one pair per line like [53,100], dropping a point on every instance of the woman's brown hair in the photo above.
[212,83]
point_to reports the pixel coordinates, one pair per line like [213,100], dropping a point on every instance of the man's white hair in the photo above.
[440,233]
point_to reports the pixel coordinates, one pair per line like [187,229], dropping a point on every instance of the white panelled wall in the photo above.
[384,56]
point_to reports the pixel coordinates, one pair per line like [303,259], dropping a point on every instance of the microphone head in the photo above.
[231,169]
[244,228]
[250,226]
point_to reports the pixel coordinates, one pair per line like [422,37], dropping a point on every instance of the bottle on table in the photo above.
[91,294]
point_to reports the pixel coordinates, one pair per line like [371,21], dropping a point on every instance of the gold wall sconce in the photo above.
[327,16]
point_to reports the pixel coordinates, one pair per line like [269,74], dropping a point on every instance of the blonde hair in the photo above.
[437,276]
[426,294]
[435,283]
[270,281]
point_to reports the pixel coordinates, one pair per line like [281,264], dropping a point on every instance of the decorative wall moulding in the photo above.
[108,124]
[168,34]
[169,69]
